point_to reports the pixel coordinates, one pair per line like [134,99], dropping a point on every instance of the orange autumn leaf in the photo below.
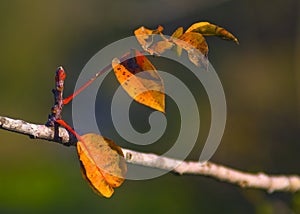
[208,29]
[102,163]
[161,46]
[145,37]
[140,80]
[166,44]
[192,40]
[195,45]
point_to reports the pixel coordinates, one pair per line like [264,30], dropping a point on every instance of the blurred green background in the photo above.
[261,80]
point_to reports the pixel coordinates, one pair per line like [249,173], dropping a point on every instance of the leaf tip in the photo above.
[236,41]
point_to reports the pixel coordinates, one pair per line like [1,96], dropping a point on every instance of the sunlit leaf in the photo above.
[161,46]
[195,45]
[145,37]
[102,163]
[192,41]
[178,50]
[178,32]
[140,80]
[208,29]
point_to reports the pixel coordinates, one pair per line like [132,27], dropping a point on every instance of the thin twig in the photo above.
[288,183]
[58,97]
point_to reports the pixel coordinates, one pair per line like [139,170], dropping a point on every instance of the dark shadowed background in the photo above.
[261,80]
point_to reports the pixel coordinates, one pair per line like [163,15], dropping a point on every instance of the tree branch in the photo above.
[288,183]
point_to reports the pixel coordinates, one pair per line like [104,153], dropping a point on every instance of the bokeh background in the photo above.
[261,80]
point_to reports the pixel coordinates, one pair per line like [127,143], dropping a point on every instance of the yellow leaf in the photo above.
[102,163]
[147,87]
[178,50]
[208,29]
[178,32]
[195,45]
[197,26]
[145,37]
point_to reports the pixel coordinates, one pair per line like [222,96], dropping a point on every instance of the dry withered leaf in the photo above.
[192,40]
[102,163]
[140,80]
[161,46]
[166,44]
[145,37]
